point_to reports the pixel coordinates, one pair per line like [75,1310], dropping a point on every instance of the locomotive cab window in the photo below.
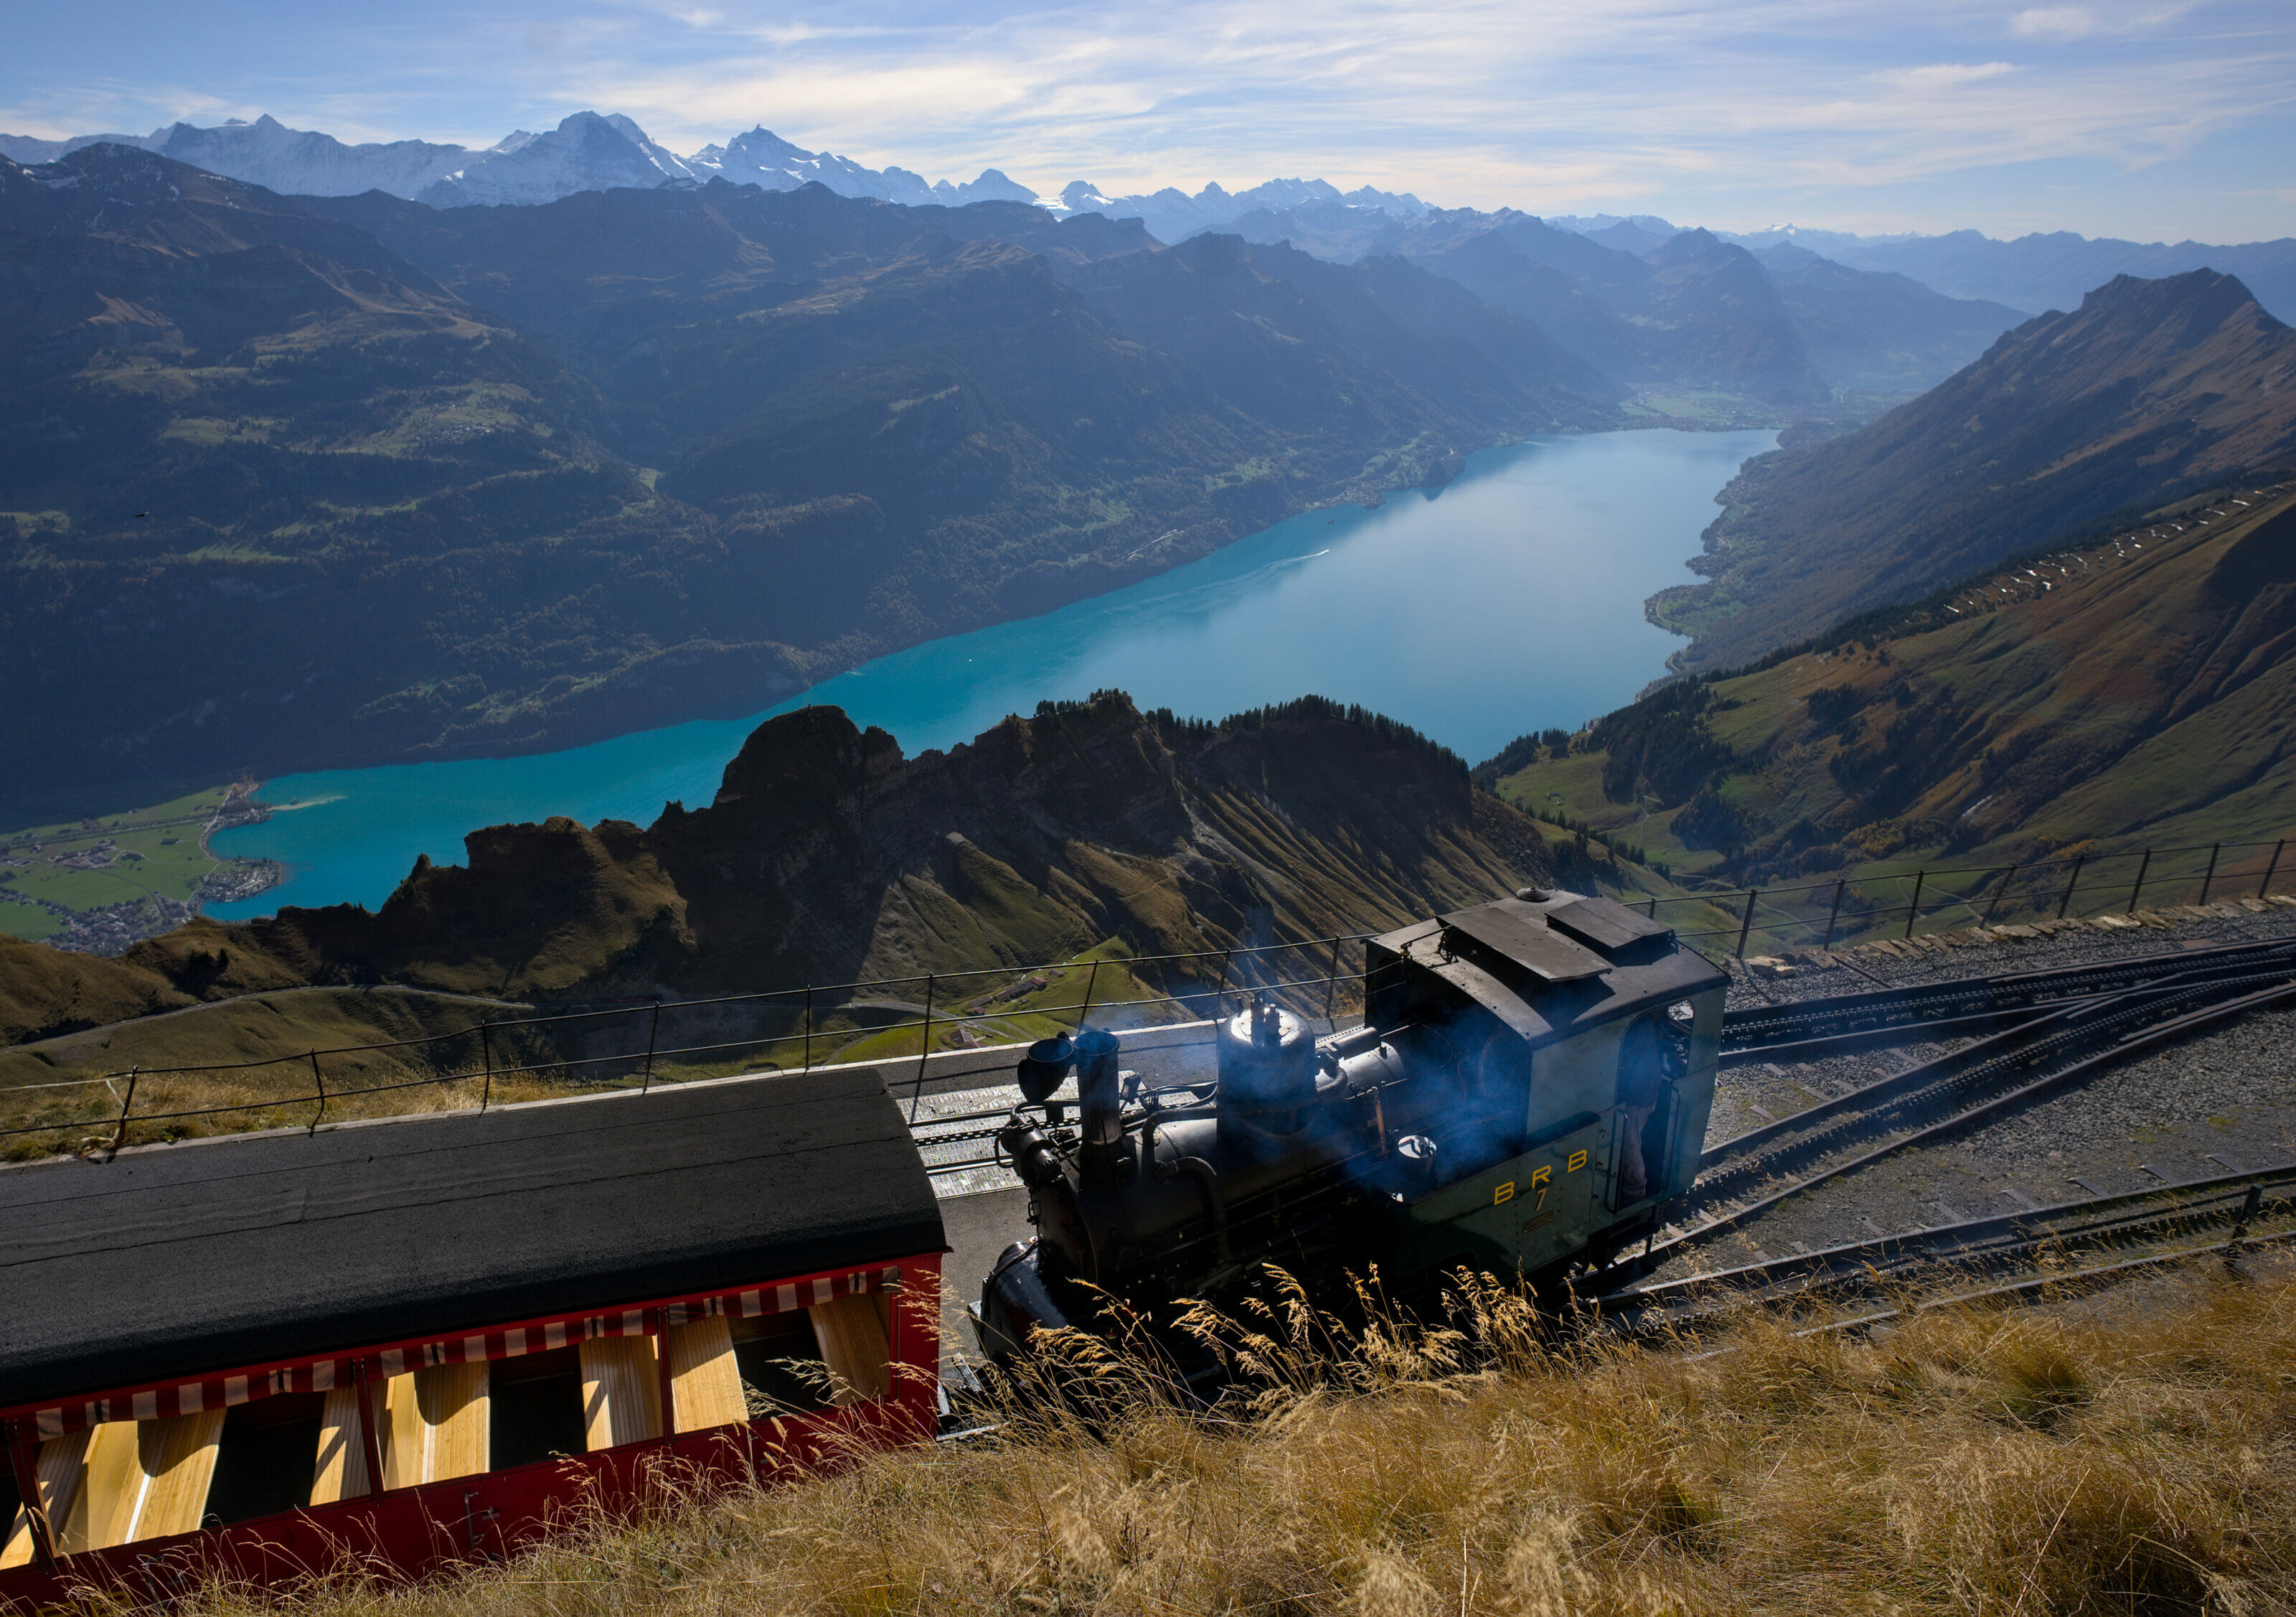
[1651,1064]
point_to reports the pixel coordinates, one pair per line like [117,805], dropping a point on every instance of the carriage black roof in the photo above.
[193,1259]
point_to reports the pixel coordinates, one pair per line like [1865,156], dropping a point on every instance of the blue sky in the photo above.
[2149,120]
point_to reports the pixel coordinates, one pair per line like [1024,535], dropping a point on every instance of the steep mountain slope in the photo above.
[829,857]
[2153,389]
[2140,685]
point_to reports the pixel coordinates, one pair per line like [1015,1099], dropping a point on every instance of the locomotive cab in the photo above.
[1527,1094]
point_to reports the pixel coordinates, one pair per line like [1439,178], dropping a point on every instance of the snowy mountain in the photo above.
[267,152]
[762,158]
[586,152]
[304,163]
[1172,215]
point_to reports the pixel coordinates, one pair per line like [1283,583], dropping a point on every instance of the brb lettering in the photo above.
[1541,1181]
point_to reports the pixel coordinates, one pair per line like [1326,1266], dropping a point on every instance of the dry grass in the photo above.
[2125,1455]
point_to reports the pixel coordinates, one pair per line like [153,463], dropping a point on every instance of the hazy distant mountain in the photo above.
[2044,272]
[2028,274]
[1697,312]
[2149,390]
[1172,215]
[30,148]
[1883,333]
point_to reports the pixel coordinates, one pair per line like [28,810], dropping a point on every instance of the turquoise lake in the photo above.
[1510,601]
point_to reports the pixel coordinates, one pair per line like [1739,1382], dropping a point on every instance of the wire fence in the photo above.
[2076,883]
[632,1045]
[635,1043]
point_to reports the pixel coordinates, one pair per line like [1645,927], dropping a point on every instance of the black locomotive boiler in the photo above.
[1526,1095]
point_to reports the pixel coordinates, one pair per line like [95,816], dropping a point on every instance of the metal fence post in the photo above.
[1091,979]
[2079,859]
[1999,892]
[120,1135]
[1332,985]
[924,1049]
[1834,913]
[487,1055]
[653,1032]
[319,1081]
[2143,865]
[1914,910]
[1650,910]
[2209,878]
[2264,888]
[1746,924]
[808,1027]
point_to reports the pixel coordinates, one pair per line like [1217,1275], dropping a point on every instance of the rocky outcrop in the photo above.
[828,856]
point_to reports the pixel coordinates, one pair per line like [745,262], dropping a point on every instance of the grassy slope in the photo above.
[2146,697]
[2131,1455]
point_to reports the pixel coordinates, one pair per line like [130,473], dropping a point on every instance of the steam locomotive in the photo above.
[1526,1095]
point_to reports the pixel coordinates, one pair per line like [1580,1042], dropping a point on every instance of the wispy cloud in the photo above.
[2054,22]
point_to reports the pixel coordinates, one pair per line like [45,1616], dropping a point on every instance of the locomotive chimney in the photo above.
[1099,1102]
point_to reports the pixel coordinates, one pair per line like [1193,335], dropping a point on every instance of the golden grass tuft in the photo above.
[2129,1453]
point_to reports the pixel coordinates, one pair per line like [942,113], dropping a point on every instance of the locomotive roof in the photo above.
[187,1260]
[1545,964]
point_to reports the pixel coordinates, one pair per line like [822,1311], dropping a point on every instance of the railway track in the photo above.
[1803,1028]
[1742,1178]
[2096,1237]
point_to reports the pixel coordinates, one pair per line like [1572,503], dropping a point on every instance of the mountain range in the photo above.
[589,152]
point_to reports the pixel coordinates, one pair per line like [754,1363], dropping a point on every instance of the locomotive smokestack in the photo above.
[1099,1102]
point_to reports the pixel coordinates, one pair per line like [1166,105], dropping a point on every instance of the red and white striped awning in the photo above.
[190,1397]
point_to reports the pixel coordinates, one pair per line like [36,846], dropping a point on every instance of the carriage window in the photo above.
[781,1365]
[536,1411]
[263,1461]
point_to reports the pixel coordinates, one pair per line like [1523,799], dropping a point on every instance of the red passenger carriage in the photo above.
[414,1339]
